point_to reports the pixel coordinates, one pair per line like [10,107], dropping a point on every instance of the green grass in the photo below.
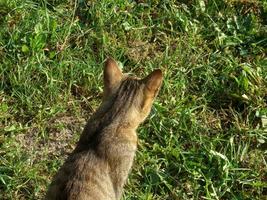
[206,136]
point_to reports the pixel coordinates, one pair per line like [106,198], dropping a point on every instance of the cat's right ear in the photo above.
[153,82]
[152,85]
[112,76]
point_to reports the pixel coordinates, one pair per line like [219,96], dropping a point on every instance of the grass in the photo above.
[206,136]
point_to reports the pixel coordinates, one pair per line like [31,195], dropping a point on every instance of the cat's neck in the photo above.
[106,120]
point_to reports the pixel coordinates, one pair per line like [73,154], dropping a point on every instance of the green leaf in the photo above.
[25,48]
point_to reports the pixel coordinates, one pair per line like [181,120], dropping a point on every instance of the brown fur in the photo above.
[98,167]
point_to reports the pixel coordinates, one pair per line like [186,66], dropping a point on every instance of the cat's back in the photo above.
[83,176]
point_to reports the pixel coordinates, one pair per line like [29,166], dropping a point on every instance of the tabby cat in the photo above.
[98,167]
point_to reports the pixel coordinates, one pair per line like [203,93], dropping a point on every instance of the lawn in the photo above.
[206,137]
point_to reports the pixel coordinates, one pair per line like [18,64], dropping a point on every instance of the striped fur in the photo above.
[98,167]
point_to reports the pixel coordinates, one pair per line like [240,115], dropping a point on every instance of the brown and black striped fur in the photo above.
[98,167]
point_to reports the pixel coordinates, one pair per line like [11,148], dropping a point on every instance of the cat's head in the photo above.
[131,97]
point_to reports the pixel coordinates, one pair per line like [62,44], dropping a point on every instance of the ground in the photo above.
[206,135]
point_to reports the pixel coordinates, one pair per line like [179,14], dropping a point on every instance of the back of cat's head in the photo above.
[129,98]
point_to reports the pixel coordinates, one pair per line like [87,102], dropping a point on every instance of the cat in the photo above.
[98,167]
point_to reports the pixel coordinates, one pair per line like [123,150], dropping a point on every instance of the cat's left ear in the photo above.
[152,85]
[112,75]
